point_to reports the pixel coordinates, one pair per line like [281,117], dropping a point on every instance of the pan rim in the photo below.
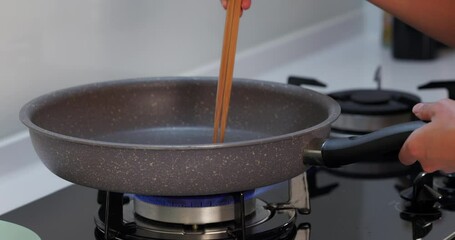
[26,111]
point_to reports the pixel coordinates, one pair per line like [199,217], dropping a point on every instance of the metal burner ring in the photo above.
[190,216]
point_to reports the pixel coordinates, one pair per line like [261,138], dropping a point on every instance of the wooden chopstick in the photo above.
[222,73]
[226,69]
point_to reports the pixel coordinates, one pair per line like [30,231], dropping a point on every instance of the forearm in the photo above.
[433,17]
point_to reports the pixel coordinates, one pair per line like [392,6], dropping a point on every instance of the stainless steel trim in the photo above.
[368,123]
[312,157]
[303,234]
[299,194]
[151,229]
[450,237]
[299,198]
[190,216]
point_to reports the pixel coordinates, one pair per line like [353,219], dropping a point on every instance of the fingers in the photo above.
[224,3]
[421,146]
[424,111]
[409,152]
[429,111]
[246,4]
[416,147]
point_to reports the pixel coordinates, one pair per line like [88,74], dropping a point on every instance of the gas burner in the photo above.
[192,210]
[421,224]
[422,207]
[364,111]
[422,200]
[449,85]
[262,222]
[368,110]
[445,184]
[236,216]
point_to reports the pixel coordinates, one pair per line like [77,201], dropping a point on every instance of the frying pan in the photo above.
[153,136]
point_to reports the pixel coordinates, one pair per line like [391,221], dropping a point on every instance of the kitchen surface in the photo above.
[366,201]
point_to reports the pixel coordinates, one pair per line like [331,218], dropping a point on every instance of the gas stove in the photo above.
[346,204]
[412,206]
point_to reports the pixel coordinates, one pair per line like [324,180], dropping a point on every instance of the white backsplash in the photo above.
[51,44]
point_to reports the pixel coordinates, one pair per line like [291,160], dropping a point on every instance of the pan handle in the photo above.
[381,145]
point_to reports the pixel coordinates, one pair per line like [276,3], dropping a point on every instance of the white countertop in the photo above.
[352,63]
[347,63]
[23,178]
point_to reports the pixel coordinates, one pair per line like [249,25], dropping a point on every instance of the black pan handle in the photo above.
[380,145]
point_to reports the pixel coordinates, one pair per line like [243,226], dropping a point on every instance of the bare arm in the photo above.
[434,17]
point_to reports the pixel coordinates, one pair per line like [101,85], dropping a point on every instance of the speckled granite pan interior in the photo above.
[153,136]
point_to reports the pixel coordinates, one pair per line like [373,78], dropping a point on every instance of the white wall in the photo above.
[373,19]
[51,44]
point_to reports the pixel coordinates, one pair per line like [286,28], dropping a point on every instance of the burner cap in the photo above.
[374,102]
[371,97]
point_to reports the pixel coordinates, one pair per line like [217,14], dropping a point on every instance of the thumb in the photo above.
[246,4]
[424,111]
[224,3]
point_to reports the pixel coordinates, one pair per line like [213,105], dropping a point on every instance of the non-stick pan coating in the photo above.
[153,136]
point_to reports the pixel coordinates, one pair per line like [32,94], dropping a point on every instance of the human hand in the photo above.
[246,4]
[433,145]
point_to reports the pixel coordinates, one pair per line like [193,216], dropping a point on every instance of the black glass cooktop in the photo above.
[341,208]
